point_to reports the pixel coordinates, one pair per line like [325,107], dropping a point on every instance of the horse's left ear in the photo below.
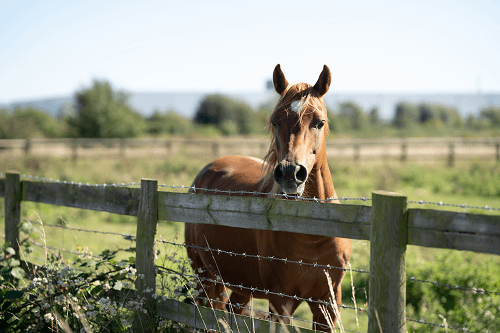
[324,81]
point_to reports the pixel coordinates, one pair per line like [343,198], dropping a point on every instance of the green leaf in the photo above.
[17,272]
[26,228]
[12,319]
[14,262]
[118,285]
[96,290]
[10,250]
[13,294]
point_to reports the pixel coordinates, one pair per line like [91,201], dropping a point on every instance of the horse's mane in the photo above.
[309,98]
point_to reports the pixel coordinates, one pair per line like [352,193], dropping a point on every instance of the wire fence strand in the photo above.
[254,193]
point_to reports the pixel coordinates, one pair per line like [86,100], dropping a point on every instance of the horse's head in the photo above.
[299,126]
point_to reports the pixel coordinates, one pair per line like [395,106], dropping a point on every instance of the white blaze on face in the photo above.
[297,106]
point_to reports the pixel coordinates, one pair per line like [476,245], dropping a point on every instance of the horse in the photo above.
[295,165]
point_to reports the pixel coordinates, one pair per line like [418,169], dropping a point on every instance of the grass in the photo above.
[474,182]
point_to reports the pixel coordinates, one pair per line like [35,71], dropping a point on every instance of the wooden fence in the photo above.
[355,149]
[388,224]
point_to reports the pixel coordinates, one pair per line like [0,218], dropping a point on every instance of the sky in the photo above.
[54,48]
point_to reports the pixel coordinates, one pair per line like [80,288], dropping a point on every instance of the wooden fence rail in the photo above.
[388,223]
[356,149]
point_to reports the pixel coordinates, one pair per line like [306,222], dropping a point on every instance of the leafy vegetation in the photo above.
[475,182]
[101,112]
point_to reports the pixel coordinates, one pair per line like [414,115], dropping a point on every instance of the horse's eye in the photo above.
[274,124]
[320,125]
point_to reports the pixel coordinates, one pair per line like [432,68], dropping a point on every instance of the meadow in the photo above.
[473,182]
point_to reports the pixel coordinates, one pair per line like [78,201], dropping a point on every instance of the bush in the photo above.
[476,311]
[29,122]
[231,116]
[85,295]
[405,115]
[169,122]
[102,113]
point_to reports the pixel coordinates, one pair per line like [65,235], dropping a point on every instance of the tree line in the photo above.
[101,112]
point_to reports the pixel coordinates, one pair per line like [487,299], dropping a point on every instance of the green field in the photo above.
[474,182]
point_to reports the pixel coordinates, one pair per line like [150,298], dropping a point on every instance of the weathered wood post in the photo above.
[12,209]
[168,147]
[404,152]
[74,149]
[122,148]
[146,254]
[357,153]
[27,147]
[389,236]
[216,149]
[451,155]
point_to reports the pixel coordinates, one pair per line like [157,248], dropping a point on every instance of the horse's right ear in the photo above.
[279,80]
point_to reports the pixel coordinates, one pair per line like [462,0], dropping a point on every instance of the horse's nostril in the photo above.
[278,173]
[301,174]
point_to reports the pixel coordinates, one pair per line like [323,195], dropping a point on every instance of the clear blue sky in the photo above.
[53,48]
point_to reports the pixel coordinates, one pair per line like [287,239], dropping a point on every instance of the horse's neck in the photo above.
[320,185]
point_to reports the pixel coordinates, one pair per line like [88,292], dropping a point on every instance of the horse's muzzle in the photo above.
[290,177]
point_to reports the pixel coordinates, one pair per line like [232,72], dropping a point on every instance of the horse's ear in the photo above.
[324,81]
[279,80]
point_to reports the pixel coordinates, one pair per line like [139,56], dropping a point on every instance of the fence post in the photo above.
[27,147]
[74,149]
[387,286]
[122,147]
[12,209]
[216,149]
[451,154]
[497,151]
[404,152]
[147,219]
[357,152]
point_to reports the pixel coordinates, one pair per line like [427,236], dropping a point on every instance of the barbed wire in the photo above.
[255,193]
[126,236]
[285,260]
[64,250]
[421,321]
[241,306]
[464,205]
[473,289]
[414,279]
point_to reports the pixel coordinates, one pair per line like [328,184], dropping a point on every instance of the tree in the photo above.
[405,115]
[102,113]
[352,115]
[374,116]
[491,115]
[230,116]
[168,122]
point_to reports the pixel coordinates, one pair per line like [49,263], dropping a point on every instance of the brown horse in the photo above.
[295,165]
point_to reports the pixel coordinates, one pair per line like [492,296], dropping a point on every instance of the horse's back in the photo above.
[234,173]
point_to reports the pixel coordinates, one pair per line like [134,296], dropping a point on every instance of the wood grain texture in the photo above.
[145,252]
[387,293]
[204,318]
[12,209]
[2,187]
[118,200]
[348,221]
[453,230]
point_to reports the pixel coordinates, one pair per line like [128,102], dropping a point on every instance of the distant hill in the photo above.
[186,103]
